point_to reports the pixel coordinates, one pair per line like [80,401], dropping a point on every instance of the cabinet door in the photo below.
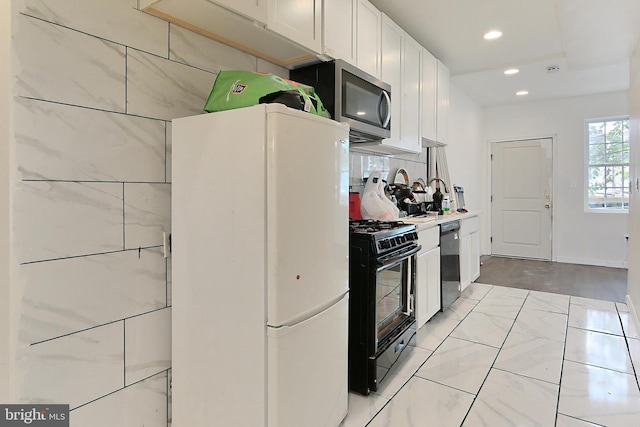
[443,103]
[474,259]
[465,261]
[411,96]
[297,20]
[392,36]
[427,292]
[339,23]
[429,90]
[368,38]
[433,282]
[255,9]
[421,293]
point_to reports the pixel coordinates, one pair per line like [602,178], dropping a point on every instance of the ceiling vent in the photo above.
[553,69]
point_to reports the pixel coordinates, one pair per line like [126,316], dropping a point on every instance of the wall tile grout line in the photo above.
[70,181]
[112,41]
[166,146]
[126,80]
[91,254]
[124,353]
[118,390]
[124,223]
[168,388]
[166,281]
[85,107]
[169,26]
[98,326]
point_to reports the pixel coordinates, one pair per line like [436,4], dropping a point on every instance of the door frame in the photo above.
[554,190]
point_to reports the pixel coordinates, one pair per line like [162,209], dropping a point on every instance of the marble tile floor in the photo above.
[504,356]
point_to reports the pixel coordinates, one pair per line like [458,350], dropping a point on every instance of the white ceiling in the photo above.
[590,40]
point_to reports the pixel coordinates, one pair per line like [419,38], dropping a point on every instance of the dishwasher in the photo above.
[449,262]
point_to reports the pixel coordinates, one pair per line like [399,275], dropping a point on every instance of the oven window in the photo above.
[391,298]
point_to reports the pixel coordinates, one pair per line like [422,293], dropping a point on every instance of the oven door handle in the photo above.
[395,259]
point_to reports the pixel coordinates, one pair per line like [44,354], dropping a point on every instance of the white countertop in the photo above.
[429,222]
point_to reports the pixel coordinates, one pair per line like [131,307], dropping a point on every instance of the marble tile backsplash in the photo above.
[62,65]
[163,89]
[96,85]
[63,219]
[140,404]
[74,369]
[115,20]
[362,164]
[105,288]
[62,142]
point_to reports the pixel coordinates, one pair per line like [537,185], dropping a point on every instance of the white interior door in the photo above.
[521,208]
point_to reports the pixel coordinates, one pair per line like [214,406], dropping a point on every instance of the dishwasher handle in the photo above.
[448,227]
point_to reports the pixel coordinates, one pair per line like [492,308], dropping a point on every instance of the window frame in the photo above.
[588,165]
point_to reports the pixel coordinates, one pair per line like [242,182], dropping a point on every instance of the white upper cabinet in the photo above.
[392,36]
[297,20]
[411,95]
[255,9]
[429,95]
[339,30]
[401,58]
[284,32]
[443,103]
[368,38]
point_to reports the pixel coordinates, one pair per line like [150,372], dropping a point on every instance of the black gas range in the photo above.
[382,270]
[386,237]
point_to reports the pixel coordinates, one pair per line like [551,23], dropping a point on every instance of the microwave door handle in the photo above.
[384,97]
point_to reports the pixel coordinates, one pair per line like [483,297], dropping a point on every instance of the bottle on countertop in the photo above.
[446,205]
[437,199]
[429,197]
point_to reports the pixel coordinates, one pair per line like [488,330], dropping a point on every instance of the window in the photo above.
[607,164]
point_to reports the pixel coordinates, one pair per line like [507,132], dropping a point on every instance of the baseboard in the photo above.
[633,312]
[590,261]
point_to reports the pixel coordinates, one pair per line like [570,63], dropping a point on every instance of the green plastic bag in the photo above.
[239,88]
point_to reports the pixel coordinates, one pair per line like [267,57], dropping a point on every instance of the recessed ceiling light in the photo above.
[511,71]
[522,93]
[491,35]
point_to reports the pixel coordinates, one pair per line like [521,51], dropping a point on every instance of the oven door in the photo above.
[394,289]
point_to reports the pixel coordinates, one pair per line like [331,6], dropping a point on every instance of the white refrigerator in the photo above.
[259,269]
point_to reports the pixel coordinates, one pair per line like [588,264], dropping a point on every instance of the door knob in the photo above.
[547,205]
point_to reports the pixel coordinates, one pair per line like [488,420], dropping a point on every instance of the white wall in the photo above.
[579,237]
[633,283]
[466,153]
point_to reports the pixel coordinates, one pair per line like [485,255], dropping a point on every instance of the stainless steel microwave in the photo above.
[352,96]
